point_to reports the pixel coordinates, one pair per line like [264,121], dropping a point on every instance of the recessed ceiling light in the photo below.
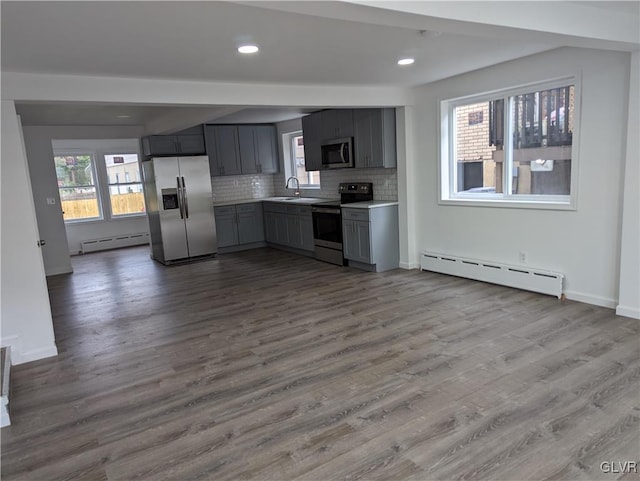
[123,116]
[248,49]
[406,61]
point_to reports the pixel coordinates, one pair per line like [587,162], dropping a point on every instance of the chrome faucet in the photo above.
[297,191]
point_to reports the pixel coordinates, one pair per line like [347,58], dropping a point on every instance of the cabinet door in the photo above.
[306,228]
[270,227]
[282,234]
[159,145]
[363,234]
[337,123]
[247,143]
[250,223]
[312,137]
[356,240]
[211,148]
[349,239]
[227,230]
[266,149]
[294,231]
[228,154]
[191,144]
[367,124]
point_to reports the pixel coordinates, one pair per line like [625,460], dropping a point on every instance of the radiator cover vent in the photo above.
[520,277]
[105,243]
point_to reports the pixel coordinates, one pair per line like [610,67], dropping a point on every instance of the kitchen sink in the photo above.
[297,199]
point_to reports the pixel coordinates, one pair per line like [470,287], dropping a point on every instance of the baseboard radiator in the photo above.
[520,277]
[126,240]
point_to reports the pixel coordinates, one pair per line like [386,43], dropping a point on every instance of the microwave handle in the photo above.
[344,149]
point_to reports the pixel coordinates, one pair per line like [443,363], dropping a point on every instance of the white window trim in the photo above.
[287,155]
[112,152]
[447,169]
[72,147]
[96,185]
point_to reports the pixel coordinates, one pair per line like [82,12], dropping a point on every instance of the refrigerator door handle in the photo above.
[184,198]
[180,198]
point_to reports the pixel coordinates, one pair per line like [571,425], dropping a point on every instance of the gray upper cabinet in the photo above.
[312,135]
[258,149]
[223,149]
[373,131]
[337,124]
[374,138]
[186,142]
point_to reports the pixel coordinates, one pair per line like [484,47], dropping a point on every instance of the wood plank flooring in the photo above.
[263,365]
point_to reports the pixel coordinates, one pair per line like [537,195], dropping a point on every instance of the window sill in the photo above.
[511,204]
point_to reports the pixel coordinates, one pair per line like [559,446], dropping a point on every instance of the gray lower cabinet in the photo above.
[239,225]
[289,226]
[370,238]
[223,149]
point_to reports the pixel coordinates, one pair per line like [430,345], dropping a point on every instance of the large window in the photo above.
[293,146]
[98,179]
[77,185]
[125,186]
[513,146]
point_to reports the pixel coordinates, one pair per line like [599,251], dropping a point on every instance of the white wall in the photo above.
[26,314]
[38,142]
[583,244]
[629,301]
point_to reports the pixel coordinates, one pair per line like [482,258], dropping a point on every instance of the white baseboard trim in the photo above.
[409,265]
[18,357]
[590,299]
[59,270]
[628,311]
[4,415]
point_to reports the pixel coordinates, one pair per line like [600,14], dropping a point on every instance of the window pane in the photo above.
[542,126]
[74,170]
[76,184]
[474,152]
[297,159]
[125,187]
[79,203]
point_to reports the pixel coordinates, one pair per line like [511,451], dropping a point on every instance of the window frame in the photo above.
[447,167]
[96,185]
[112,153]
[99,166]
[288,154]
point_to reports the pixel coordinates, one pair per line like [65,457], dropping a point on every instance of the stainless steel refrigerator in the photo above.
[180,208]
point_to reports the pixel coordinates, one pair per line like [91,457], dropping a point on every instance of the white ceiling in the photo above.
[198,40]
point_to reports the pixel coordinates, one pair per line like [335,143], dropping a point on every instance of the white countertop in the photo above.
[372,204]
[284,200]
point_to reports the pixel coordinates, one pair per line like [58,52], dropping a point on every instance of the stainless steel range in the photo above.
[327,221]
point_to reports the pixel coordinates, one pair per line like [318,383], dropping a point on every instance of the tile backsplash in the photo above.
[256,186]
[385,183]
[240,187]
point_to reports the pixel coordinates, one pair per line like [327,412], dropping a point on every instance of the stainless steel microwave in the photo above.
[337,153]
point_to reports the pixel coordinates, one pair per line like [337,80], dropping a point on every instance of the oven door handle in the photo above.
[325,210]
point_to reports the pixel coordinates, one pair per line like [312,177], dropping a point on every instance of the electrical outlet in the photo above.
[524,257]
[51,200]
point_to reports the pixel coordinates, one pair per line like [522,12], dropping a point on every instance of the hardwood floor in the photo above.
[268,366]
